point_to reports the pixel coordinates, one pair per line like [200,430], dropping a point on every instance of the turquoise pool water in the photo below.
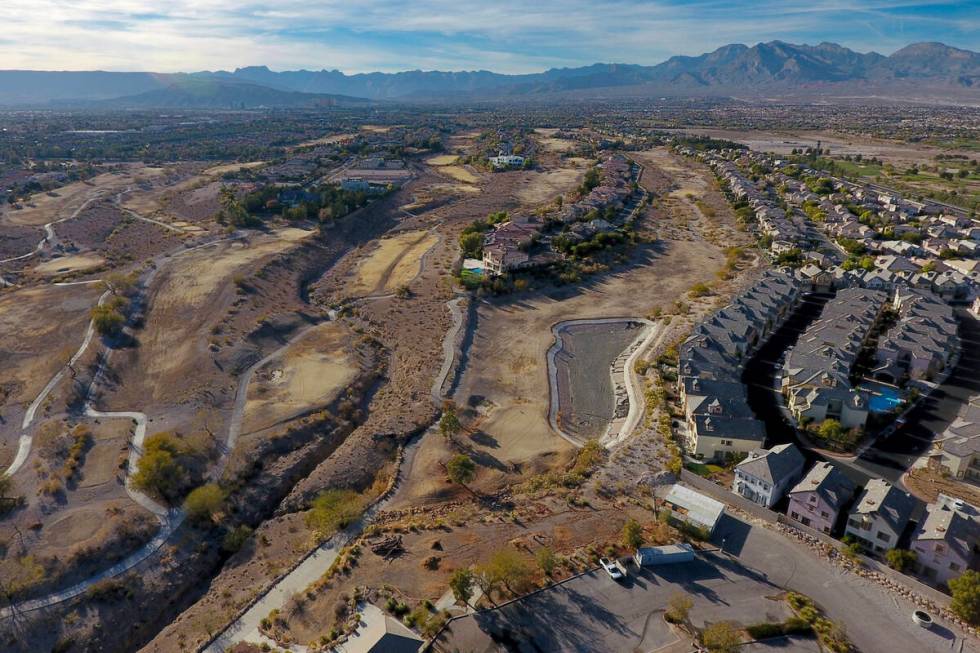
[884,398]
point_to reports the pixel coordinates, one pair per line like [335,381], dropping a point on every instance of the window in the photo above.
[726,443]
[854,523]
[813,498]
[794,515]
[884,537]
[824,514]
[953,566]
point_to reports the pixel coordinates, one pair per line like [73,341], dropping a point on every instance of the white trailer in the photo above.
[651,556]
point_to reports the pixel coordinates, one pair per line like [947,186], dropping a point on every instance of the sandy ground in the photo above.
[235,167]
[40,329]
[394,263]
[178,323]
[541,187]
[442,160]
[459,173]
[551,144]
[73,263]
[44,207]
[506,375]
[311,373]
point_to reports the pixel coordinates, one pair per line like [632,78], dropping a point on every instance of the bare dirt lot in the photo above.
[41,328]
[541,187]
[310,373]
[459,173]
[68,264]
[49,207]
[190,296]
[394,263]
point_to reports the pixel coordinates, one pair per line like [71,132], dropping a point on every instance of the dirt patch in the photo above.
[234,167]
[192,291]
[459,173]
[394,263]
[541,187]
[442,160]
[41,328]
[69,264]
[49,207]
[311,373]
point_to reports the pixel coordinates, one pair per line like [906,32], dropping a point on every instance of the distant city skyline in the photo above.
[504,36]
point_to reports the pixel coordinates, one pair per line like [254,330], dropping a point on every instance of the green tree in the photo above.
[204,502]
[830,430]
[6,486]
[632,534]
[449,425]
[900,559]
[721,637]
[461,469]
[966,596]
[509,569]
[461,583]
[332,510]
[546,560]
[472,244]
[160,470]
[107,320]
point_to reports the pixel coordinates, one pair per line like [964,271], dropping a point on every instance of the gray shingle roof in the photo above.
[773,465]
[830,484]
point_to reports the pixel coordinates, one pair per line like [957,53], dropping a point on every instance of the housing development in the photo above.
[666,358]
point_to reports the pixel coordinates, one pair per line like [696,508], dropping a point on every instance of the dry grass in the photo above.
[310,373]
[459,173]
[66,264]
[395,262]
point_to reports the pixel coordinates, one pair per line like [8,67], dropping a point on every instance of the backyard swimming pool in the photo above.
[883,399]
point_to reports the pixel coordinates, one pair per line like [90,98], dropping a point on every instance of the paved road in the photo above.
[876,620]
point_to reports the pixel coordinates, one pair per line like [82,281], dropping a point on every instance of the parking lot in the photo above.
[743,584]
[595,613]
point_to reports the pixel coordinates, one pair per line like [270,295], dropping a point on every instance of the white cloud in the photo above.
[448,34]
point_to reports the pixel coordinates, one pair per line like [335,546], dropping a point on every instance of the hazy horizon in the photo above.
[384,36]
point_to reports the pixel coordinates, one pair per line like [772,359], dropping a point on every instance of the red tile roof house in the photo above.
[947,541]
[816,501]
[504,248]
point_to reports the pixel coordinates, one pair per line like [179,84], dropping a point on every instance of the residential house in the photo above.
[817,500]
[880,516]
[957,450]
[947,542]
[765,475]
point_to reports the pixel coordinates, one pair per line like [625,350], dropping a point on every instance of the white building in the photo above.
[766,475]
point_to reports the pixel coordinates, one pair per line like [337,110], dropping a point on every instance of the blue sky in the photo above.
[501,35]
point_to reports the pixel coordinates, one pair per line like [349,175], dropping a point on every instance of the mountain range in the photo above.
[924,71]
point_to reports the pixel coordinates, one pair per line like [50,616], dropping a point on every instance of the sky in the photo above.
[507,36]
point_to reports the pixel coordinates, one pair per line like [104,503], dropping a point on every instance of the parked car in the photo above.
[612,568]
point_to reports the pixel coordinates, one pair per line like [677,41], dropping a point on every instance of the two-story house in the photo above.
[947,542]
[881,514]
[817,500]
[765,475]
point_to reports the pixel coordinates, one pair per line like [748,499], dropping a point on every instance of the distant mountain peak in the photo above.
[770,69]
